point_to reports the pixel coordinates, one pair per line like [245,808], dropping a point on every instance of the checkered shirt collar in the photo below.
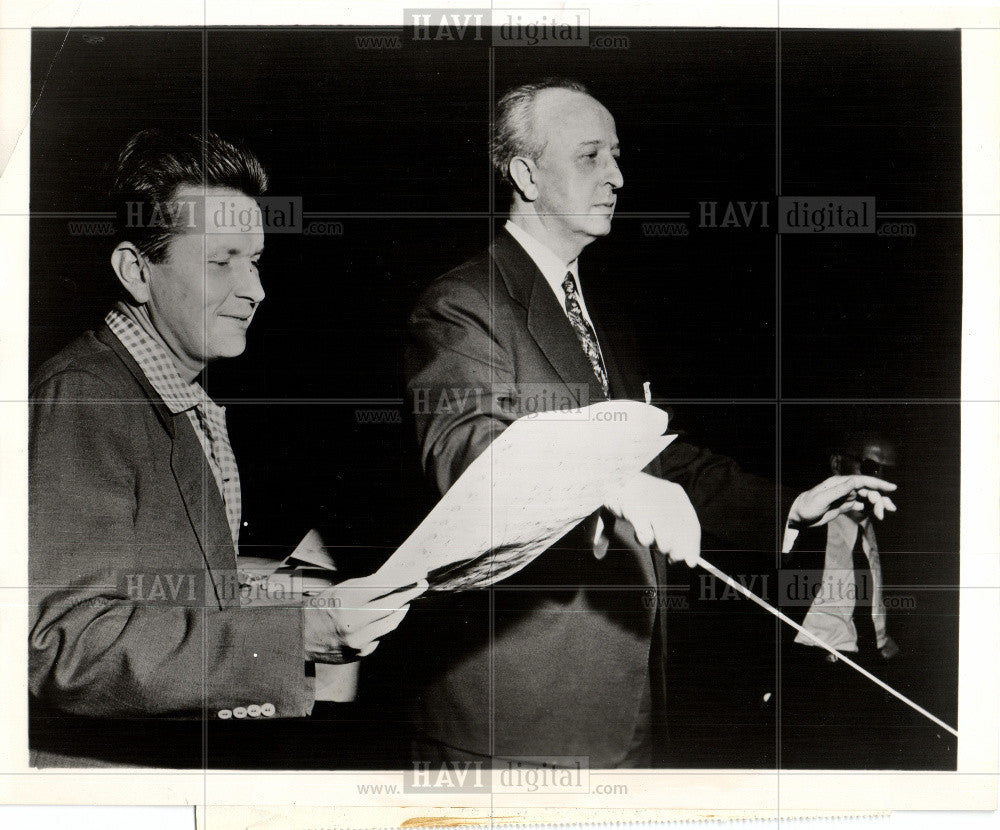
[178,394]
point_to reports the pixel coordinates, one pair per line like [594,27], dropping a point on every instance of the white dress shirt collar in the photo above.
[551,265]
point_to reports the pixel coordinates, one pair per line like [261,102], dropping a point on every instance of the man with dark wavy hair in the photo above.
[134,491]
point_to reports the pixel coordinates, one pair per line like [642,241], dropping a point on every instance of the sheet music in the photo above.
[543,475]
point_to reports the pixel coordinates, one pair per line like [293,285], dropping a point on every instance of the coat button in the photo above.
[253,710]
[239,712]
[267,710]
[225,714]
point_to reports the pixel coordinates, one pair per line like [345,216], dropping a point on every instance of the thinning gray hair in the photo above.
[513,126]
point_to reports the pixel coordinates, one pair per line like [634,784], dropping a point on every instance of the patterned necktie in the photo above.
[584,332]
[213,420]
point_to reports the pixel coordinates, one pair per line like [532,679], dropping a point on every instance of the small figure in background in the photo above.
[849,610]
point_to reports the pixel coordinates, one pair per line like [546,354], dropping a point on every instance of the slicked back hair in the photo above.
[514,131]
[155,164]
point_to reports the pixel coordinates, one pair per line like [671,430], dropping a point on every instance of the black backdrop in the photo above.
[763,344]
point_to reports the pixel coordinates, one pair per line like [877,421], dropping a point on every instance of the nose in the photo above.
[248,284]
[614,175]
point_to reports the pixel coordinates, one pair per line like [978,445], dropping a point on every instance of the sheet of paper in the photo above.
[306,571]
[542,476]
[311,551]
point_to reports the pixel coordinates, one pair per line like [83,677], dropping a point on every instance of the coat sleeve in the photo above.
[459,379]
[732,505]
[93,649]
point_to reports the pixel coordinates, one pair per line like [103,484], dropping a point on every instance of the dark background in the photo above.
[764,345]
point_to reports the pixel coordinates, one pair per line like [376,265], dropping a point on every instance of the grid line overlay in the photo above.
[492,215]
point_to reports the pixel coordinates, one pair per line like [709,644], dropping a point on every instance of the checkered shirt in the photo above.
[206,416]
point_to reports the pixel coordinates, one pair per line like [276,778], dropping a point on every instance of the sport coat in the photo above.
[555,662]
[135,603]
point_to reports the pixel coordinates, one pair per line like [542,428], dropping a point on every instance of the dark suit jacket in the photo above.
[557,664]
[134,598]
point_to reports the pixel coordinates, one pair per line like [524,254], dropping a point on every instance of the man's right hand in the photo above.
[346,621]
[856,496]
[661,514]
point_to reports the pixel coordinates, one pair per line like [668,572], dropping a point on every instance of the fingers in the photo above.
[680,540]
[676,528]
[644,533]
[842,495]
[665,536]
[836,488]
[362,637]
[690,547]
[880,504]
[859,509]
[695,545]
[356,618]
[660,514]
[876,502]
[354,629]
[871,483]
[687,549]
[855,481]
[852,508]
[679,527]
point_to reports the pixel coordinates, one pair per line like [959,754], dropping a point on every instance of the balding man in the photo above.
[565,658]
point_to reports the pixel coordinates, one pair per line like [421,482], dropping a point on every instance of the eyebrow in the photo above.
[595,142]
[237,252]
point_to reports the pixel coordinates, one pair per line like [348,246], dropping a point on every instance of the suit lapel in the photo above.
[202,500]
[109,339]
[551,330]
[554,335]
[547,322]
[195,481]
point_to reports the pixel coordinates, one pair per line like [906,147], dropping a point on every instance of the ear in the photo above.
[836,463]
[522,172]
[132,271]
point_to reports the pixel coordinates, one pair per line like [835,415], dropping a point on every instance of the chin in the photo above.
[600,227]
[229,347]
